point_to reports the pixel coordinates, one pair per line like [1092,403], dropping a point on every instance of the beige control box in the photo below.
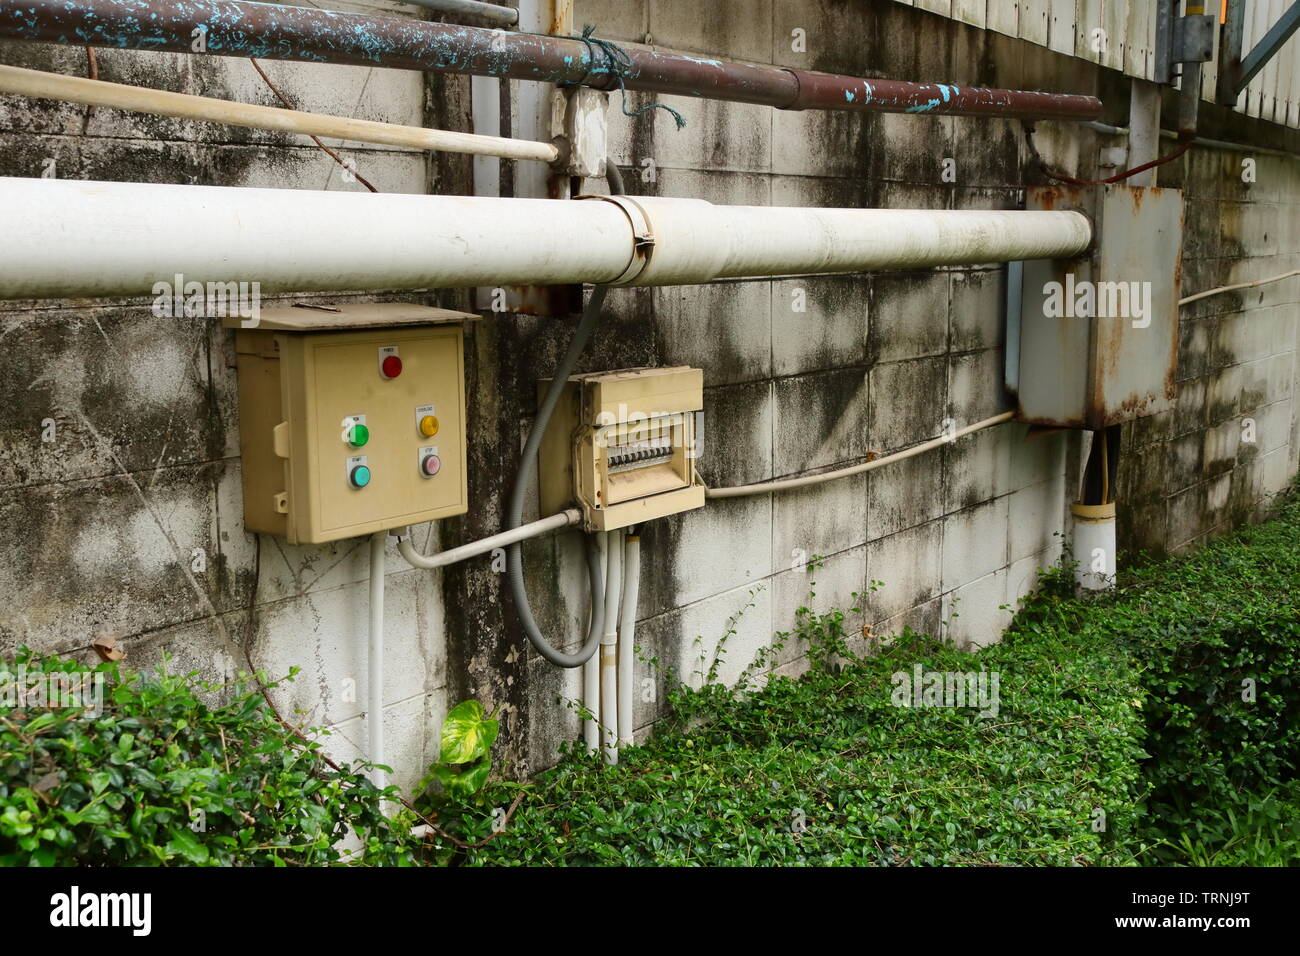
[622,446]
[351,419]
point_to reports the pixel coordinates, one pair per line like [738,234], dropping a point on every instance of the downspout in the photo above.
[1015,280]
[608,647]
[375,660]
[627,637]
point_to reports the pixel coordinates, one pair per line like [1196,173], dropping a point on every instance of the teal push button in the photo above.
[359,476]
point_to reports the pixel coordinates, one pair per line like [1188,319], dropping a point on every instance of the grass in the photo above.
[1155,725]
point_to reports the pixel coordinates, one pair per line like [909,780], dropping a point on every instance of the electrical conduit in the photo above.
[609,646]
[375,659]
[626,636]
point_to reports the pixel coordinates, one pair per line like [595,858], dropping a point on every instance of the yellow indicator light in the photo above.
[428,426]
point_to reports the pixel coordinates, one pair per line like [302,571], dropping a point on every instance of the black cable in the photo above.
[515,506]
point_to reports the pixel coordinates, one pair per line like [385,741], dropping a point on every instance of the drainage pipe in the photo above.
[69,238]
[591,670]
[608,647]
[375,659]
[627,636]
[272,31]
[76,89]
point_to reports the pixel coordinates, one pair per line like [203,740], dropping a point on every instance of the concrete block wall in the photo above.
[98,528]
[1232,442]
[100,523]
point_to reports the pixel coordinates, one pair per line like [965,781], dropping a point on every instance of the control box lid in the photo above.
[301,317]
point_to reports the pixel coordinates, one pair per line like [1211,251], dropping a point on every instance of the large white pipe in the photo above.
[627,636]
[375,660]
[608,647]
[73,239]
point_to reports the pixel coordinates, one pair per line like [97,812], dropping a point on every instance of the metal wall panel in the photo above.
[1120,35]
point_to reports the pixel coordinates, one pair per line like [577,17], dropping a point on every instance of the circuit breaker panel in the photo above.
[622,446]
[352,419]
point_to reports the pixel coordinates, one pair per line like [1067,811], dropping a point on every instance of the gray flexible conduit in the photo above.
[515,506]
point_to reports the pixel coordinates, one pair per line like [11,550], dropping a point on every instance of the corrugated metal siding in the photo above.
[1121,35]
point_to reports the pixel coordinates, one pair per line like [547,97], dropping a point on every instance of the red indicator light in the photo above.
[391,366]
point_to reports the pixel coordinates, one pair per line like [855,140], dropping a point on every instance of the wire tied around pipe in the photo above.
[616,62]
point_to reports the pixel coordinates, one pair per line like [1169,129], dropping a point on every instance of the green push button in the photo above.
[359,476]
[358,435]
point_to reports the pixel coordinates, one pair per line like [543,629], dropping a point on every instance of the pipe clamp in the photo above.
[643,240]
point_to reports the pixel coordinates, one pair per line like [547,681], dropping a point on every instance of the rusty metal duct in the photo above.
[322,36]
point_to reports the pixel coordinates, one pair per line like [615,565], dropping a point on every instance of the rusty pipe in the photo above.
[271,31]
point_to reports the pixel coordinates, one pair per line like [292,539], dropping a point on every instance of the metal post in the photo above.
[1144,129]
[1277,35]
[1230,40]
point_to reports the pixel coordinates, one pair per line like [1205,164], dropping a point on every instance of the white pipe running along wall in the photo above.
[626,637]
[76,89]
[609,647]
[68,238]
[803,481]
[375,658]
[533,529]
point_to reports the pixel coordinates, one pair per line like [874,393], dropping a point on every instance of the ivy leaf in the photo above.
[462,782]
[183,843]
[467,733]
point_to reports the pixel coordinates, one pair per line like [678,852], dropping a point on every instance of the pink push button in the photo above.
[431,465]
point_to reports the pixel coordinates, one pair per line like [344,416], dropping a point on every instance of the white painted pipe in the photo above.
[804,481]
[627,637]
[591,671]
[139,99]
[67,238]
[1094,546]
[534,529]
[608,647]
[375,659]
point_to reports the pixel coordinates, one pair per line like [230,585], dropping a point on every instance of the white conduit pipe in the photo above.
[627,636]
[608,647]
[1240,285]
[534,529]
[591,668]
[69,238]
[738,491]
[375,658]
[76,89]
